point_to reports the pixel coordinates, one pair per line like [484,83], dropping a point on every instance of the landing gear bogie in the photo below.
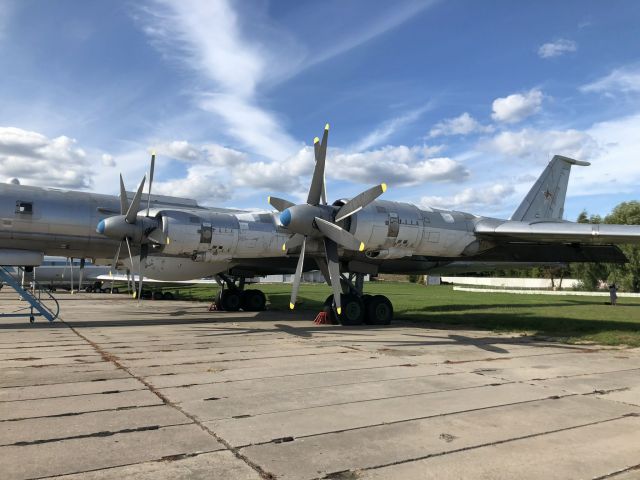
[231,300]
[253,301]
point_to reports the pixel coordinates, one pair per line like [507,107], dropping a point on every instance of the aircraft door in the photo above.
[394,225]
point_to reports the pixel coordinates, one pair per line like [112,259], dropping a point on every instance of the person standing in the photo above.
[613,294]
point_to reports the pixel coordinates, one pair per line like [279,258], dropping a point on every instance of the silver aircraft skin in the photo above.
[179,240]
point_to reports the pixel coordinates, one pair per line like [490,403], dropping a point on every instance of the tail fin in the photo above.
[545,200]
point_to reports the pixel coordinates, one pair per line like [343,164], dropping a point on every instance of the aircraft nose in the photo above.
[285,218]
[100,227]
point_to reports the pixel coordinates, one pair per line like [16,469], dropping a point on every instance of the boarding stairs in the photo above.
[41,302]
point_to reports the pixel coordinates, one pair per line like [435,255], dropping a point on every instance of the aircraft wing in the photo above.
[567,232]
[123,278]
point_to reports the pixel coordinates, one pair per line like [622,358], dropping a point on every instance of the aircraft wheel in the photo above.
[253,300]
[115,290]
[230,300]
[379,310]
[352,310]
[366,299]
[329,301]
[168,296]
[88,290]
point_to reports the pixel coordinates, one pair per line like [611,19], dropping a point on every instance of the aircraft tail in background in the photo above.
[546,198]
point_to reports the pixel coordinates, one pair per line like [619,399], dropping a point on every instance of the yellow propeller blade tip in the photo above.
[316,140]
[168,240]
[269,199]
[291,306]
[339,309]
[384,187]
[326,127]
[153,153]
[284,247]
[361,249]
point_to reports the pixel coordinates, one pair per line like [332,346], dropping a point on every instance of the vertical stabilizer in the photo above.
[546,198]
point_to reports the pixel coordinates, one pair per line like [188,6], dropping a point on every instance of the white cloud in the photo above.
[517,107]
[237,56]
[542,144]
[201,184]
[208,37]
[482,197]
[614,167]
[37,160]
[396,165]
[625,80]
[107,160]
[388,128]
[461,125]
[557,48]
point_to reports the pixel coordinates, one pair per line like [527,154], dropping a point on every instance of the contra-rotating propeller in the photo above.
[317,220]
[132,227]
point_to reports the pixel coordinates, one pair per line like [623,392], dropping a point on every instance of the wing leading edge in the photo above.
[554,232]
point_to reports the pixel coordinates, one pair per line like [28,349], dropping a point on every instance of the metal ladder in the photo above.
[36,306]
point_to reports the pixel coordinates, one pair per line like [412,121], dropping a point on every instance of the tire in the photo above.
[115,290]
[352,310]
[168,296]
[379,310]
[87,289]
[329,301]
[231,300]
[366,300]
[157,296]
[253,301]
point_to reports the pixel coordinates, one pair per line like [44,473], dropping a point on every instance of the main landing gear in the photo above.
[358,308]
[232,296]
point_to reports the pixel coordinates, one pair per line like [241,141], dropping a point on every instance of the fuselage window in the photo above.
[25,208]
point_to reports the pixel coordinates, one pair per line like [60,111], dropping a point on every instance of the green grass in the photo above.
[566,318]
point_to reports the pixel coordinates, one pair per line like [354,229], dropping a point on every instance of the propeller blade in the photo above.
[133,280]
[358,202]
[279,204]
[331,250]
[316,151]
[339,235]
[116,257]
[324,268]
[317,182]
[132,212]
[153,163]
[297,277]
[144,251]
[123,198]
[82,262]
[293,242]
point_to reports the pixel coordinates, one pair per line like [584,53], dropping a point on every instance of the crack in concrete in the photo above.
[475,447]
[235,451]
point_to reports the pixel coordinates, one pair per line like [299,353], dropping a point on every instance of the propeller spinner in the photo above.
[316,219]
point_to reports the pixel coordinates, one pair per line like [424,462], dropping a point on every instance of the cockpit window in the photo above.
[25,208]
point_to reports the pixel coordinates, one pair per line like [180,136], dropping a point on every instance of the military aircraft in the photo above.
[176,239]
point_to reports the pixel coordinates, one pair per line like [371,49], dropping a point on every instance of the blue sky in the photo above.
[454,104]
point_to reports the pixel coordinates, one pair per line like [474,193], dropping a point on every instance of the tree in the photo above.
[627,276]
[591,275]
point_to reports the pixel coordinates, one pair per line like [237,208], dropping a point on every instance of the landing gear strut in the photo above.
[358,308]
[232,296]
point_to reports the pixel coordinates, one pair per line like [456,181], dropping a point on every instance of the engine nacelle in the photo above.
[392,230]
[188,233]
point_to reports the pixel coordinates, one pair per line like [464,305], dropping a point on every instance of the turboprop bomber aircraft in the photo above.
[176,239]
